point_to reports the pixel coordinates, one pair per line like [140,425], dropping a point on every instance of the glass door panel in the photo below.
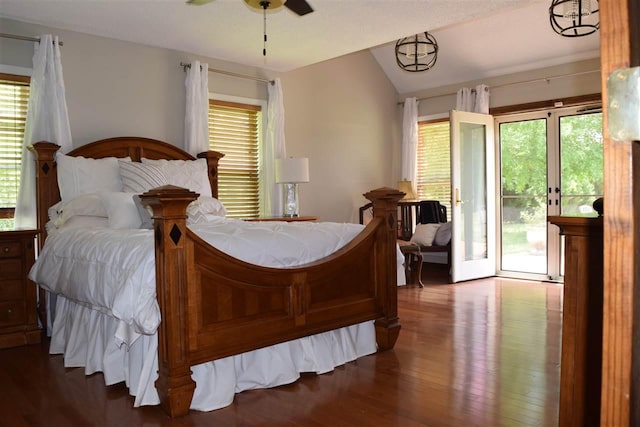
[523,195]
[551,163]
[581,163]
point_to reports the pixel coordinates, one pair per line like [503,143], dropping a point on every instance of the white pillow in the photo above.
[121,210]
[200,209]
[79,175]
[139,178]
[424,234]
[84,205]
[191,174]
[144,212]
[443,236]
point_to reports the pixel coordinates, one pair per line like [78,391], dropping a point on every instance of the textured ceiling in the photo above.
[476,37]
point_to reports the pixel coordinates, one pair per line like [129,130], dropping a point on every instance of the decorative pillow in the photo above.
[139,178]
[79,175]
[443,236]
[144,213]
[424,234]
[84,205]
[121,210]
[203,208]
[191,174]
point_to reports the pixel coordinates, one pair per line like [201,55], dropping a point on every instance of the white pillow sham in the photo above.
[204,207]
[84,205]
[80,175]
[121,209]
[139,178]
[191,174]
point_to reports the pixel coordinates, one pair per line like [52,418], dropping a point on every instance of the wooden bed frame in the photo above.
[214,305]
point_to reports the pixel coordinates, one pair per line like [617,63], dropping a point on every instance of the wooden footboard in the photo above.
[214,305]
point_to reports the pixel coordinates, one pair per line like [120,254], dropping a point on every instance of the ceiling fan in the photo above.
[300,7]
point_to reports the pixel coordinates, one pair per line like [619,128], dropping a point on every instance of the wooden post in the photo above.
[385,208]
[46,183]
[174,384]
[212,157]
[581,360]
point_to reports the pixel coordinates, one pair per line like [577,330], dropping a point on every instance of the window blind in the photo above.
[14,99]
[234,130]
[434,167]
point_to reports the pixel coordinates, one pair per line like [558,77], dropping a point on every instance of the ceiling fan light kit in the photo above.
[417,53]
[574,18]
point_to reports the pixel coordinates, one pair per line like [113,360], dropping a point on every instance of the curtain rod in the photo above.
[543,79]
[229,73]
[24,38]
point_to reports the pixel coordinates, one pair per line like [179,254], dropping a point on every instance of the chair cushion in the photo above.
[425,234]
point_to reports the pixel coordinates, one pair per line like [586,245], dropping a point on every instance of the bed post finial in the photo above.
[385,206]
[213,158]
[174,384]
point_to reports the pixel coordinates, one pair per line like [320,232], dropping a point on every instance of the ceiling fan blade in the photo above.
[198,2]
[301,7]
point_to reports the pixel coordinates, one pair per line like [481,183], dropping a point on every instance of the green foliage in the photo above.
[524,163]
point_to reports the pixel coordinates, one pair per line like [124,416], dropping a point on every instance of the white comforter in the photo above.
[113,270]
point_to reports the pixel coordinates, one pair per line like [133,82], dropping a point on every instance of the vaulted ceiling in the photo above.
[477,38]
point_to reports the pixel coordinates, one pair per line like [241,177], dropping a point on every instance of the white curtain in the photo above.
[47,119]
[410,140]
[274,148]
[196,118]
[474,100]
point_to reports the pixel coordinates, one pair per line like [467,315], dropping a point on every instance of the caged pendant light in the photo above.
[574,18]
[417,53]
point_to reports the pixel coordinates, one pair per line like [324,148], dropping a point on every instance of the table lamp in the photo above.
[290,172]
[407,188]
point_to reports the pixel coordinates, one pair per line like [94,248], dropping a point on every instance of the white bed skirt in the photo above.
[86,338]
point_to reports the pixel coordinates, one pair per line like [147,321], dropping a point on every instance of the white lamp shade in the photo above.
[292,169]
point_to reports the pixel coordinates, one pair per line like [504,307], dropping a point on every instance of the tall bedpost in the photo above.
[385,207]
[213,157]
[47,192]
[174,384]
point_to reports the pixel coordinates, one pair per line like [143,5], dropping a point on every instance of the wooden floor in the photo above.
[481,353]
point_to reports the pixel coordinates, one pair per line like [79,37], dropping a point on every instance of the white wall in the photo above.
[341,114]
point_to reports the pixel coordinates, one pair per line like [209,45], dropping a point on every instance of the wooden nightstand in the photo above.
[285,218]
[18,317]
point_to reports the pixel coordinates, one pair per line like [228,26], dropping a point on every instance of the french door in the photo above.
[550,163]
[473,196]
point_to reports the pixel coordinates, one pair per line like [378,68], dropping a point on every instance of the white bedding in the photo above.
[75,261]
[113,270]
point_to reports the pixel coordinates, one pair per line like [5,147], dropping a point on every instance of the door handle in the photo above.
[458,201]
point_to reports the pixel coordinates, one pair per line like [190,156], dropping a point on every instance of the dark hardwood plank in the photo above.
[480,353]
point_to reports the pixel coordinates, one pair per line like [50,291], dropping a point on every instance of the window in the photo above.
[433,180]
[234,130]
[14,98]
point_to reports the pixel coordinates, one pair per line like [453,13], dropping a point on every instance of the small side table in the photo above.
[284,218]
[412,262]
